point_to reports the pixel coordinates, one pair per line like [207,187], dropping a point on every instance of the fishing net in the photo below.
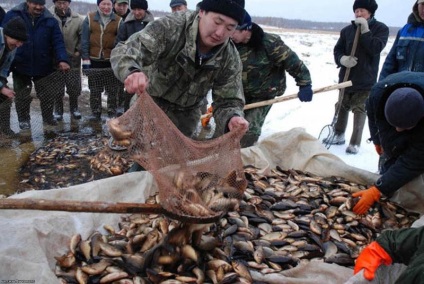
[197,180]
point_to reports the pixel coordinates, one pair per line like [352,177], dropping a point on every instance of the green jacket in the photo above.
[406,246]
[167,49]
[264,70]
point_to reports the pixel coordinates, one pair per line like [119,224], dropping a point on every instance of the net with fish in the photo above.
[197,180]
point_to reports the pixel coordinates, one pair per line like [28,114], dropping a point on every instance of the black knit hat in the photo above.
[16,28]
[54,1]
[370,5]
[39,2]
[247,23]
[231,8]
[141,4]
[404,108]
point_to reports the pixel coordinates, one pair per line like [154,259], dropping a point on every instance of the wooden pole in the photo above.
[290,97]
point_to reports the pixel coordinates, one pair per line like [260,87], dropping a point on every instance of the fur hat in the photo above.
[175,3]
[16,28]
[140,4]
[231,8]
[370,5]
[39,2]
[404,108]
[247,23]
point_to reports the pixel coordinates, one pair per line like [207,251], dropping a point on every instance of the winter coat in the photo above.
[71,31]
[44,45]
[370,45]
[178,75]
[264,68]
[6,59]
[97,40]
[131,26]
[407,52]
[405,246]
[404,150]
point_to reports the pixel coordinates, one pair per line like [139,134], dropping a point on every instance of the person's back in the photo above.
[407,52]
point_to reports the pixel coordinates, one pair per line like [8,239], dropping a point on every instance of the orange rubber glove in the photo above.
[207,118]
[379,150]
[370,259]
[368,197]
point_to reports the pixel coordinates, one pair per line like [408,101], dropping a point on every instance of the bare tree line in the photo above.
[83,8]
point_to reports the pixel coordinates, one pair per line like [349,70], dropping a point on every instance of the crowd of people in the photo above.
[217,47]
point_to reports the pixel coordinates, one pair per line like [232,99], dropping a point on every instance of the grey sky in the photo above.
[391,12]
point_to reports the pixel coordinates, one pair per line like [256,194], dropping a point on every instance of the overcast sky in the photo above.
[391,12]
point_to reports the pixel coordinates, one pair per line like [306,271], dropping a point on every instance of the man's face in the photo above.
[421,11]
[139,13]
[362,13]
[215,29]
[13,43]
[121,8]
[61,6]
[179,8]
[105,7]
[35,9]
[242,36]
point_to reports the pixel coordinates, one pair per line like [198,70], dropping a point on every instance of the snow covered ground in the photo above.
[316,50]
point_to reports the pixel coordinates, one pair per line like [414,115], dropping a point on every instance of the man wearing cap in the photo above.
[178,5]
[137,20]
[12,36]
[34,59]
[363,68]
[395,112]
[266,59]
[70,24]
[120,7]
[407,52]
[188,54]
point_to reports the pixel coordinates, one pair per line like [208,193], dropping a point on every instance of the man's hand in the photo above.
[368,197]
[237,122]
[363,24]
[136,83]
[348,61]
[64,67]
[10,94]
[305,93]
[370,259]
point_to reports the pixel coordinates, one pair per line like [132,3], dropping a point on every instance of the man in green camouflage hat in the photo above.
[186,55]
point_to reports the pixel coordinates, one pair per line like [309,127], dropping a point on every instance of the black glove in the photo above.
[305,93]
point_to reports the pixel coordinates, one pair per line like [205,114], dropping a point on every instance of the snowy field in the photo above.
[316,50]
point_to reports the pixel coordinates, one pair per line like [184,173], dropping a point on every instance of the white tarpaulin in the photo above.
[29,240]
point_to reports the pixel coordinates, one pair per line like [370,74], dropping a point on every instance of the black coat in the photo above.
[131,26]
[370,45]
[404,150]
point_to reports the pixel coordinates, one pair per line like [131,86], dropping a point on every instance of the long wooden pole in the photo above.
[290,97]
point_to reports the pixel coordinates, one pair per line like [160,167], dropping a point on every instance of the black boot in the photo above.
[358,127]
[5,119]
[73,106]
[58,108]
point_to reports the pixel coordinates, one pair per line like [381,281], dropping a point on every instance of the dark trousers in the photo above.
[72,81]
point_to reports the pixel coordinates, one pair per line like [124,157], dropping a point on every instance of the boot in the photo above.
[73,106]
[340,127]
[5,119]
[358,127]
[58,109]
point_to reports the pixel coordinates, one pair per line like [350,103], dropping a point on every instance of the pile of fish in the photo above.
[285,218]
[69,160]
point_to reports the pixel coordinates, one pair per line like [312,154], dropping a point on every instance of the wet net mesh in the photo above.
[46,156]
[196,179]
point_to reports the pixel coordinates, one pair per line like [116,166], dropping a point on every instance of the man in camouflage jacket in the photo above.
[266,58]
[188,54]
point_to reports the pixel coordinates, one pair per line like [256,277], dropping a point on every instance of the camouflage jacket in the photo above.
[264,70]
[167,48]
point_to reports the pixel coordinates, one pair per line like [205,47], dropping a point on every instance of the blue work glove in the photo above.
[305,93]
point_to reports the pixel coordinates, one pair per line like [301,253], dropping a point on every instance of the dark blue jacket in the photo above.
[407,52]
[404,150]
[45,43]
[370,45]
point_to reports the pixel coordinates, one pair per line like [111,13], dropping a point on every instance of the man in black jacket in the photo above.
[363,70]
[395,112]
